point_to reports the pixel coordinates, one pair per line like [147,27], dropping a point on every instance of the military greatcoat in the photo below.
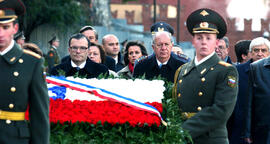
[206,96]
[52,58]
[23,85]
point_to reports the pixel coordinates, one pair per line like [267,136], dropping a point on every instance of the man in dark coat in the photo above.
[22,85]
[257,110]
[163,62]
[256,115]
[111,46]
[206,87]
[79,63]
[222,50]
[235,124]
[92,35]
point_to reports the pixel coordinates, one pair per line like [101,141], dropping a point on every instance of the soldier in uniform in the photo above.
[52,56]
[206,87]
[22,85]
[19,38]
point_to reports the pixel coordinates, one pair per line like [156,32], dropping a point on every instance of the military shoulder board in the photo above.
[32,53]
[224,63]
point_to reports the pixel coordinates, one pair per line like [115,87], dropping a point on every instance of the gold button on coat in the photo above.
[20,60]
[180,81]
[11,106]
[8,121]
[200,93]
[199,108]
[179,95]
[203,79]
[16,73]
[12,89]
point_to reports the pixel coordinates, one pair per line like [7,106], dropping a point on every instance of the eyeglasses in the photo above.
[160,45]
[221,47]
[82,48]
[258,50]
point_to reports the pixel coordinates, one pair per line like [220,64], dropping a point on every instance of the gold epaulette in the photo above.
[224,63]
[32,53]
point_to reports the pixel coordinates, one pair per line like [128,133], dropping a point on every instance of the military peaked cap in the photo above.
[161,26]
[54,38]
[206,21]
[10,10]
[19,35]
[85,28]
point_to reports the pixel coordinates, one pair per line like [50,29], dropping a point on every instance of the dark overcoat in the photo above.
[208,91]
[257,120]
[91,69]
[109,61]
[22,85]
[150,68]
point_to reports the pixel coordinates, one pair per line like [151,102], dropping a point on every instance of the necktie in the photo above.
[160,66]
[77,68]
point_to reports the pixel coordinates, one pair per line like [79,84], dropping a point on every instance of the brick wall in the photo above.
[188,6]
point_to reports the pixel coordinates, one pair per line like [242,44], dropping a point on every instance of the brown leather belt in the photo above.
[188,114]
[14,116]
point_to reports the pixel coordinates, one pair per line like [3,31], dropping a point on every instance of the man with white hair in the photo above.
[255,98]
[162,62]
[258,49]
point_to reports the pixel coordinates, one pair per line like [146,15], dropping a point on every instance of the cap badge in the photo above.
[204,24]
[2,13]
[204,13]
[160,29]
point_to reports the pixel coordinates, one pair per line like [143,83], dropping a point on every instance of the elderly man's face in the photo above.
[78,50]
[259,52]
[221,49]
[162,47]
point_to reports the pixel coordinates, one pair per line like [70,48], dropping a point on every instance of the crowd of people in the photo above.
[221,101]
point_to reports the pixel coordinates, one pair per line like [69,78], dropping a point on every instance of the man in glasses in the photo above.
[79,64]
[222,50]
